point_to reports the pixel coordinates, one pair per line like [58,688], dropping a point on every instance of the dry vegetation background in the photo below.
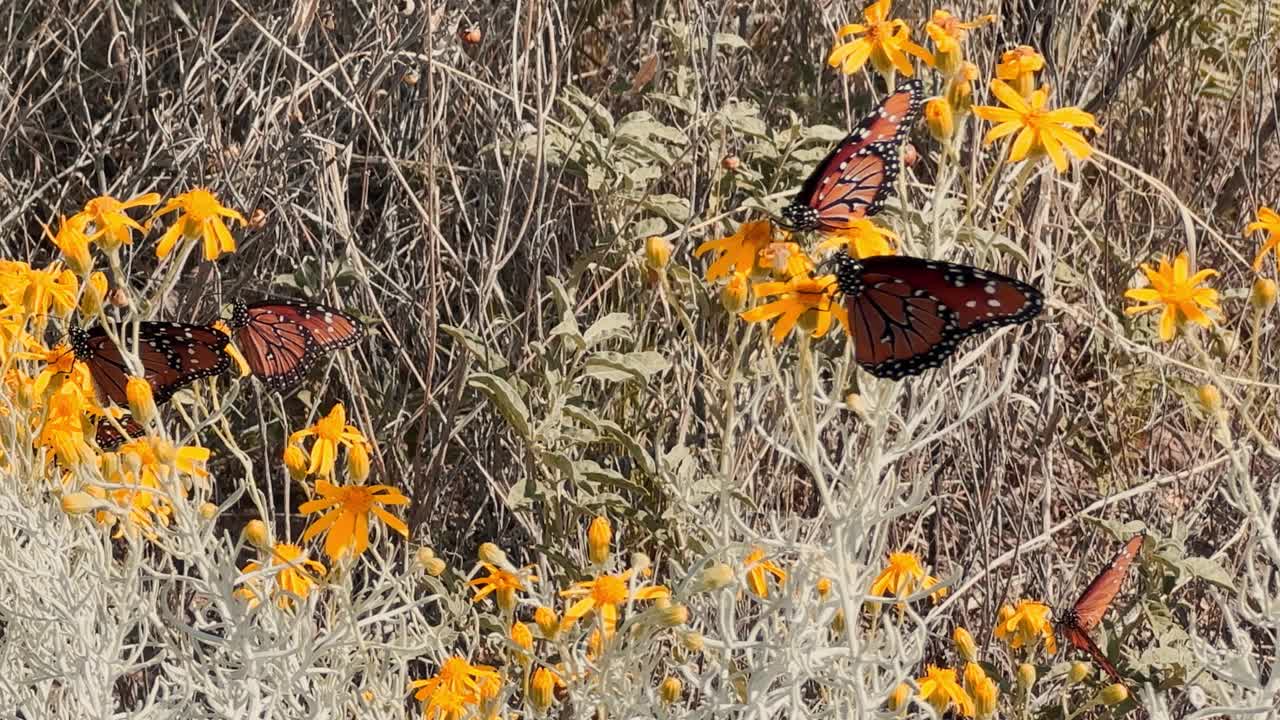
[465,198]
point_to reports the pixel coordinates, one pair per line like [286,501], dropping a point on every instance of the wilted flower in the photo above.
[734,294]
[112,227]
[757,571]
[1025,625]
[948,32]
[785,260]
[939,688]
[1019,67]
[1175,294]
[738,252]
[903,576]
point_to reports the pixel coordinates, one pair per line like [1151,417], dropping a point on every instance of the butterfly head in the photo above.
[799,217]
[1067,618]
[239,316]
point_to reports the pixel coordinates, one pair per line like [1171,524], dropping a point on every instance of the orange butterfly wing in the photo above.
[1096,598]
[1082,641]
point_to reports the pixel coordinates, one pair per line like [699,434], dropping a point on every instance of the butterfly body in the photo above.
[109,438]
[857,176]
[909,314]
[282,339]
[1077,622]
[172,356]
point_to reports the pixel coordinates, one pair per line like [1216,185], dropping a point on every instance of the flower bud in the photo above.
[358,462]
[506,599]
[410,77]
[733,296]
[523,638]
[547,622]
[1113,694]
[730,162]
[673,616]
[599,535]
[472,35]
[973,675]
[141,401]
[715,577]
[1026,676]
[965,644]
[657,253]
[899,698]
[1263,295]
[542,689]
[940,119]
[435,567]
[79,503]
[492,554]
[1210,398]
[1078,672]
[986,696]
[95,293]
[693,641]
[257,534]
[837,622]
[296,461]
[824,587]
[670,689]
[208,510]
[960,89]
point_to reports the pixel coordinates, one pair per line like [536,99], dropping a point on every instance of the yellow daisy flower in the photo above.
[346,515]
[939,688]
[803,299]
[201,219]
[758,570]
[112,227]
[604,595]
[295,574]
[1269,222]
[1175,294]
[886,43]
[1040,131]
[861,239]
[330,432]
[903,576]
[1025,625]
[739,251]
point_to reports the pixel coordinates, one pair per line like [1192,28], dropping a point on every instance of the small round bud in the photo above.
[435,567]
[1263,295]
[1026,676]
[670,689]
[471,35]
[522,637]
[95,293]
[657,253]
[358,462]
[824,587]
[599,535]
[898,699]
[964,644]
[1210,398]
[733,296]
[693,641]
[296,461]
[208,510]
[940,119]
[1078,672]
[715,577]
[410,77]
[118,297]
[492,554]
[1113,694]
[257,534]
[730,162]
[547,622]
[673,616]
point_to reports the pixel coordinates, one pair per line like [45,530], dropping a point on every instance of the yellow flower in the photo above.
[903,576]
[295,573]
[457,684]
[547,622]
[95,294]
[805,297]
[1020,66]
[73,243]
[939,688]
[604,594]
[757,567]
[1025,625]
[973,675]
[329,432]
[1269,222]
[785,260]
[346,518]
[739,251]
[142,402]
[111,225]
[1176,294]
[53,287]
[948,32]
[59,363]
[201,218]
[64,426]
[1040,131]
[503,582]
[965,645]
[861,239]
[883,41]
[657,253]
[13,280]
[899,698]
[733,296]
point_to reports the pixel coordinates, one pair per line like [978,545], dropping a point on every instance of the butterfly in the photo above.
[173,355]
[1085,615]
[857,176]
[282,339]
[109,438]
[908,314]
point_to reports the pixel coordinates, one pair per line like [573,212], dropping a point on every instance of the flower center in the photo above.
[201,205]
[358,499]
[101,206]
[609,590]
[330,428]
